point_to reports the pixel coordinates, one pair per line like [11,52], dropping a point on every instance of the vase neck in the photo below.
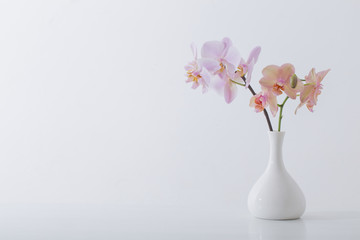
[276,142]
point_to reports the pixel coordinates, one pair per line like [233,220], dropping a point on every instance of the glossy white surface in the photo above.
[276,195]
[86,221]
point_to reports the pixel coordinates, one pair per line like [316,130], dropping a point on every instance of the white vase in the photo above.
[276,195]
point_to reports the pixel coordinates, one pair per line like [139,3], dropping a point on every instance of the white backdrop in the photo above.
[94,106]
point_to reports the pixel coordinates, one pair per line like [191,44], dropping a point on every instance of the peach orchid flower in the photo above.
[263,99]
[312,89]
[277,80]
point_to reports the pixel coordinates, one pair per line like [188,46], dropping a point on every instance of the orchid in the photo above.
[222,68]
[227,57]
[263,99]
[223,52]
[312,89]
[246,68]
[277,80]
[259,102]
[196,74]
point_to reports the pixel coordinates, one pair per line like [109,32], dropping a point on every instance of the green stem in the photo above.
[241,84]
[280,115]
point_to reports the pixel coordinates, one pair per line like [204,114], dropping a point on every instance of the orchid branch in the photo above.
[254,93]
[280,115]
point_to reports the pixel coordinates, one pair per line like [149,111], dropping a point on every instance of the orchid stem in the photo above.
[241,84]
[280,115]
[265,112]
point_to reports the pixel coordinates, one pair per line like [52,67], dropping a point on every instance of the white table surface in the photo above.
[99,221]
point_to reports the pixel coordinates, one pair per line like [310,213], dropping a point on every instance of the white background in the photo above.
[95,109]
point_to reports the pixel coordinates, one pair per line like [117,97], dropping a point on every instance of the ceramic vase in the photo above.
[276,196]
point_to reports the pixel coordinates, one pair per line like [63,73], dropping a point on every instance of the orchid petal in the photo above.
[217,84]
[204,83]
[254,55]
[189,67]
[232,56]
[205,76]
[227,41]
[321,75]
[310,107]
[272,104]
[195,85]
[271,71]
[317,92]
[252,101]
[290,92]
[210,64]
[311,77]
[230,91]
[242,61]
[230,70]
[237,78]
[304,95]
[227,44]
[249,73]
[267,82]
[300,105]
[299,86]
[286,71]
[213,49]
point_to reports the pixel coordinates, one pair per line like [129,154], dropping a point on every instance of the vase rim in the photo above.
[276,132]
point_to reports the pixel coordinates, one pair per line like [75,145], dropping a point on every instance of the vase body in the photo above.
[276,195]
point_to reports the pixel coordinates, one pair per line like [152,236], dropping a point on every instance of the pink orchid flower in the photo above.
[312,89]
[246,68]
[195,72]
[263,99]
[222,51]
[277,80]
[227,57]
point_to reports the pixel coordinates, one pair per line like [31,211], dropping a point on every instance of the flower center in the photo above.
[242,70]
[277,89]
[222,67]
[194,78]
[258,101]
[259,106]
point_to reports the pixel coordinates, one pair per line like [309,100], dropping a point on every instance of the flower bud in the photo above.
[293,81]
